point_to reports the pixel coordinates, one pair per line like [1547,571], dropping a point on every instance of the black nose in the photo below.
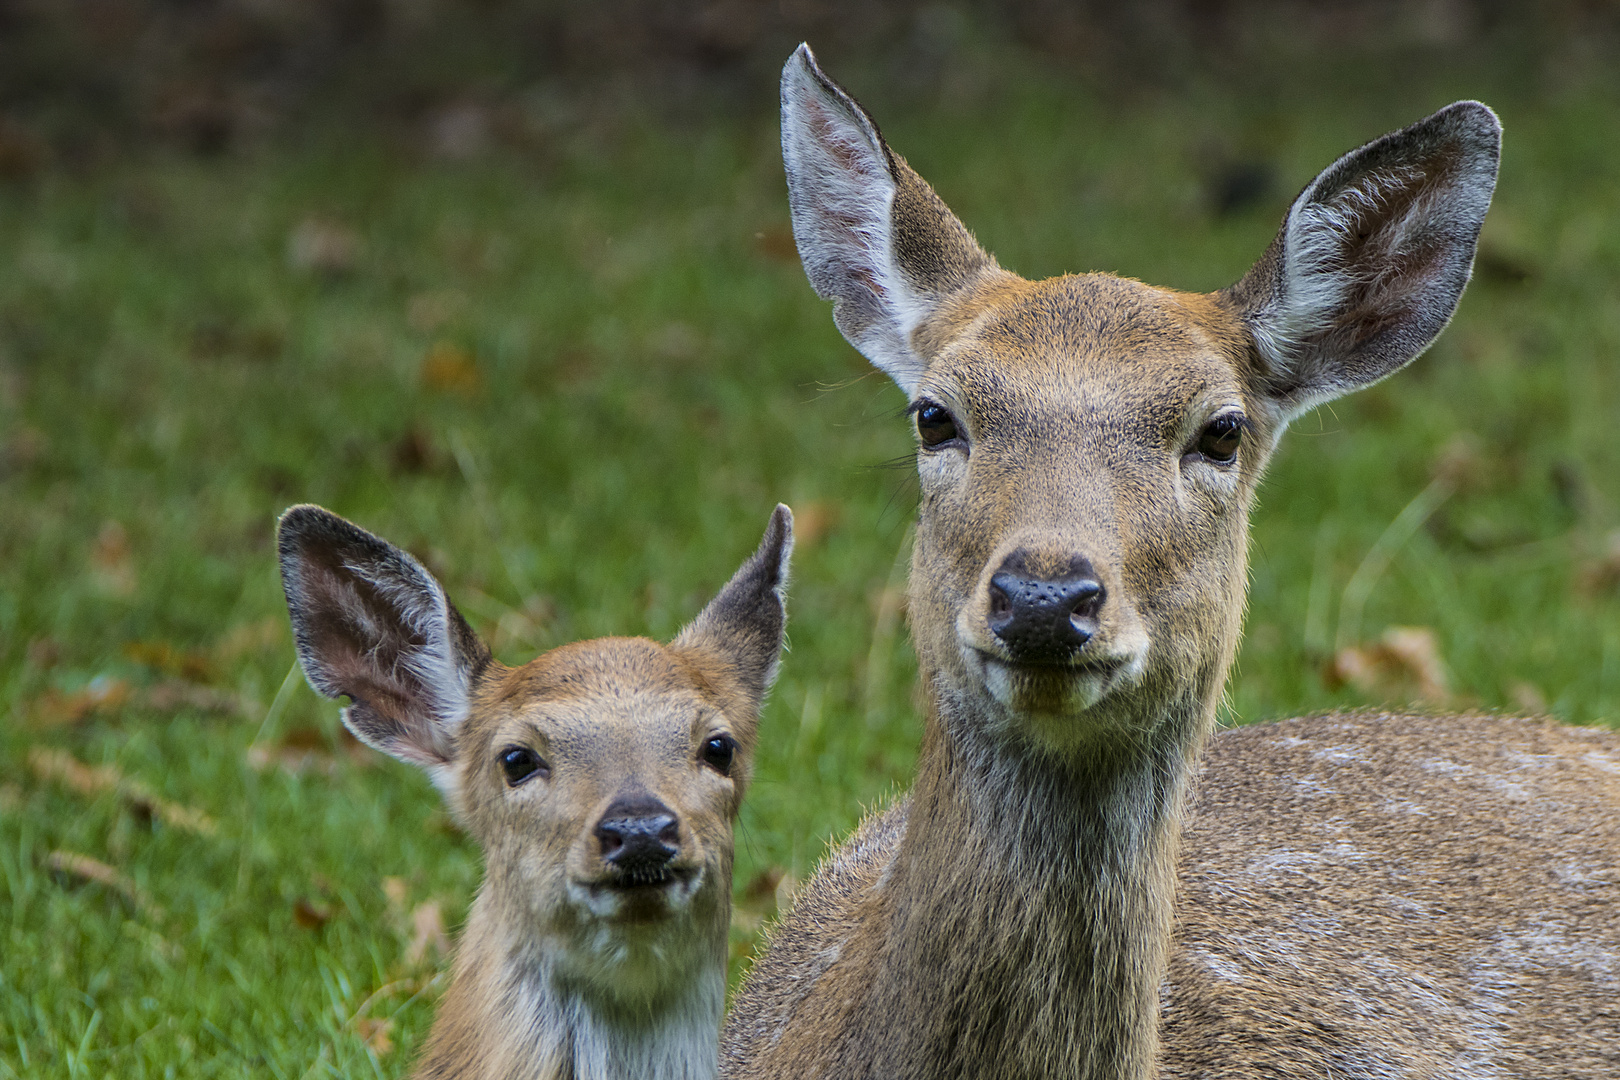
[639,836]
[1041,619]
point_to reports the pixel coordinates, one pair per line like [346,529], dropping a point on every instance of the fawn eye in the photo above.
[1221,437]
[935,425]
[717,753]
[520,764]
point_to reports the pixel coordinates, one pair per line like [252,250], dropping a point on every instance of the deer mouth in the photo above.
[644,894]
[1057,687]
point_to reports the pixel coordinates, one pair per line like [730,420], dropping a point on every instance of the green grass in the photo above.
[648,377]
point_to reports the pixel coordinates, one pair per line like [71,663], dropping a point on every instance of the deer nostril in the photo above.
[1044,620]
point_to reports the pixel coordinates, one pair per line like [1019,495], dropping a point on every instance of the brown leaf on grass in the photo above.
[428,936]
[377,1034]
[107,696]
[187,664]
[812,521]
[322,245]
[58,765]
[53,708]
[1601,576]
[69,864]
[451,368]
[112,568]
[306,749]
[311,915]
[1403,665]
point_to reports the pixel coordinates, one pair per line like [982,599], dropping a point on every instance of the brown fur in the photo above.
[1013,916]
[573,964]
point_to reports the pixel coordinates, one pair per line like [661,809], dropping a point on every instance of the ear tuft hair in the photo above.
[744,626]
[372,624]
[1372,258]
[873,236]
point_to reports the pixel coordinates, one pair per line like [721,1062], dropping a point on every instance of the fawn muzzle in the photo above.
[1044,619]
[640,837]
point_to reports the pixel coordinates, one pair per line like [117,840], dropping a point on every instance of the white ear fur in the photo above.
[370,623]
[1373,257]
[841,188]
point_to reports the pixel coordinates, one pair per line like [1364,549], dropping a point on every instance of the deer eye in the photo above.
[935,425]
[1221,437]
[520,764]
[717,753]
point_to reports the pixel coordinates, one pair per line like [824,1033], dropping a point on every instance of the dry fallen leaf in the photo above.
[450,368]
[812,521]
[1404,664]
[83,868]
[306,749]
[1601,576]
[53,708]
[106,696]
[58,765]
[376,1034]
[188,664]
[311,915]
[111,566]
[428,936]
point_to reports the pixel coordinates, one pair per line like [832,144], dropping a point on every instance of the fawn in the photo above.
[601,781]
[1361,895]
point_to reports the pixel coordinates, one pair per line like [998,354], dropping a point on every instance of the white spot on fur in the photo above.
[1220,966]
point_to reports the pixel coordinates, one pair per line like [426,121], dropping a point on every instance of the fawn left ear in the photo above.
[742,629]
[372,624]
[1371,259]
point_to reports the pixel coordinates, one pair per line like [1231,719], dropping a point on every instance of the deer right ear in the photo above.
[873,236]
[742,629]
[1371,259]
[371,624]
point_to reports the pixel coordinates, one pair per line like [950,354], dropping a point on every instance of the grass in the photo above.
[575,384]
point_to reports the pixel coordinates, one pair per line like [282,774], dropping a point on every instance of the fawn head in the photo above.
[1089,446]
[601,779]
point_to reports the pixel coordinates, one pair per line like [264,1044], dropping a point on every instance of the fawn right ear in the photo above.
[742,629]
[372,624]
[873,236]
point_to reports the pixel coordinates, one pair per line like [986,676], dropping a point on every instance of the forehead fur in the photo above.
[1092,342]
[590,668]
[1085,316]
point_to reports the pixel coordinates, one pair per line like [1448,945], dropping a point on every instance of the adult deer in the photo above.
[1360,896]
[601,780]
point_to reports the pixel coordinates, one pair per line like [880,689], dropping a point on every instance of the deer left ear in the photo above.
[1371,259]
[741,631]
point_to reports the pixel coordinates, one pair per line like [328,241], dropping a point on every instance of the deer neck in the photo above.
[513,1011]
[1042,891]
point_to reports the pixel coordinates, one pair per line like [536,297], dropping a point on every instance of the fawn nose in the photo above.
[1044,619]
[639,836]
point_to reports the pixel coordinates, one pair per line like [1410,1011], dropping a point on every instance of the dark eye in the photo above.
[717,753]
[520,763]
[1221,437]
[934,425]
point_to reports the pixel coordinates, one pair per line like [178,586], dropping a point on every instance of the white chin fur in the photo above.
[604,903]
[1006,687]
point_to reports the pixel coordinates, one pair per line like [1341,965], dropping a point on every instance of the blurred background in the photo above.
[512,284]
